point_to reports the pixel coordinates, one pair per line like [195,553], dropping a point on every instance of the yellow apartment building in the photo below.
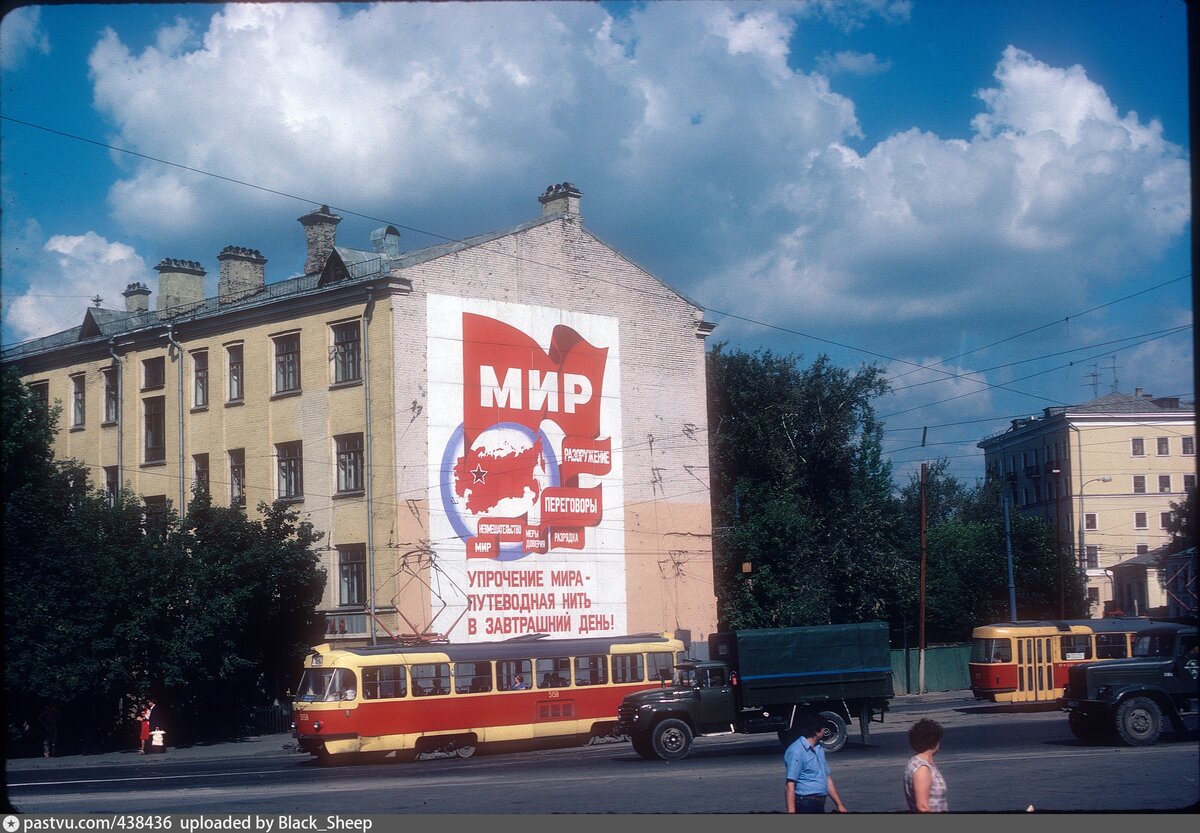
[497,436]
[1103,474]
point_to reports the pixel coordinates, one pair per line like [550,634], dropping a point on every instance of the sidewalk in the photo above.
[283,744]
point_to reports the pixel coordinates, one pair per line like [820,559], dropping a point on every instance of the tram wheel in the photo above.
[464,751]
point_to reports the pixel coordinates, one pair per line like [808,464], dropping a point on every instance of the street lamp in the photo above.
[1083,519]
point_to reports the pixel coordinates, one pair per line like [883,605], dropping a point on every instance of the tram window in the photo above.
[326,685]
[471,677]
[1077,646]
[628,668]
[1111,646]
[507,671]
[430,678]
[1021,650]
[591,670]
[554,672]
[1039,649]
[991,650]
[383,682]
[661,665]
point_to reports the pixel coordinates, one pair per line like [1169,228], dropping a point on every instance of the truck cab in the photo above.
[1130,697]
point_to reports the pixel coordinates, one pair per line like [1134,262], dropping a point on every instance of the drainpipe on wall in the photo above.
[368,469]
[182,478]
[112,350]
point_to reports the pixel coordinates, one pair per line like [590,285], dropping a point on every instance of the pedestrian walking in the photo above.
[809,783]
[49,721]
[924,787]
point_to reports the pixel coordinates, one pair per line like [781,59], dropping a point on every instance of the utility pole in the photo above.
[1012,586]
[921,626]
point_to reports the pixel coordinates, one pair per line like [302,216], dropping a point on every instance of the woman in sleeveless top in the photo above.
[924,787]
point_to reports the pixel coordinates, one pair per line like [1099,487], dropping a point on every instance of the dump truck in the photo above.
[762,680]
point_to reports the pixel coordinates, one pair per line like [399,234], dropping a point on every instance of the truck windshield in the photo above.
[685,676]
[1154,645]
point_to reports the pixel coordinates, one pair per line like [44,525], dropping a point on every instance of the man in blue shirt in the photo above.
[808,780]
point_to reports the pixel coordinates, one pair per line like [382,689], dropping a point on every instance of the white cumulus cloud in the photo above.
[21,35]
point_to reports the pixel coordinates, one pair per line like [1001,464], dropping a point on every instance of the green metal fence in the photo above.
[945,669]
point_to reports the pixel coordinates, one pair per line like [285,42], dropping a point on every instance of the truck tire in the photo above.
[643,746]
[1139,721]
[1087,729]
[864,723]
[835,731]
[672,739]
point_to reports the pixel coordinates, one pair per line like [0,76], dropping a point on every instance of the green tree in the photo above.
[801,493]
[1182,522]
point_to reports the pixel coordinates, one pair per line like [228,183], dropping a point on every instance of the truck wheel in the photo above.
[1087,729]
[643,746]
[864,723]
[672,739]
[835,731]
[1139,721]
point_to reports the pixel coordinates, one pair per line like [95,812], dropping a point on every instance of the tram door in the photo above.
[1035,670]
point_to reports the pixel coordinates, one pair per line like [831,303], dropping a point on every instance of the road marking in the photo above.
[147,778]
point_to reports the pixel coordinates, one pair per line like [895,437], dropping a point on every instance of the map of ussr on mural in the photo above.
[526,473]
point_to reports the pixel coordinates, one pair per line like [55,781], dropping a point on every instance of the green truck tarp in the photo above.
[796,665]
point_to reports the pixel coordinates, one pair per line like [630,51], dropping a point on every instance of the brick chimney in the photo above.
[320,228]
[243,273]
[562,198]
[180,285]
[137,298]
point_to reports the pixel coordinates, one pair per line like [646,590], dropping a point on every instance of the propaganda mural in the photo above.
[527,516]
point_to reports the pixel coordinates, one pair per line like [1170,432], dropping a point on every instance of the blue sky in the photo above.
[904,183]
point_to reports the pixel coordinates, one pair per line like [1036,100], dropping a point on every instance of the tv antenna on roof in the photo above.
[1093,376]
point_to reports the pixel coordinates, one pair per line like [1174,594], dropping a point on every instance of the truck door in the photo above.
[716,700]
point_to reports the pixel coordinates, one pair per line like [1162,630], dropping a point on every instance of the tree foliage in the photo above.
[105,607]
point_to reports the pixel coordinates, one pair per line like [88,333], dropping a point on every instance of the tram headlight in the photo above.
[316,725]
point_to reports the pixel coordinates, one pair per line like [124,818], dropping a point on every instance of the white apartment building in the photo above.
[1103,474]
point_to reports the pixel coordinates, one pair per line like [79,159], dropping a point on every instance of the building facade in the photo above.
[1103,475]
[497,436]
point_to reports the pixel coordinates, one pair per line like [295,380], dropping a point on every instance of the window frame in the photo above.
[289,471]
[1164,479]
[201,473]
[151,422]
[199,379]
[286,362]
[352,575]
[158,379]
[78,400]
[235,388]
[1162,446]
[1164,520]
[1187,445]
[237,476]
[345,354]
[1091,521]
[349,461]
[1139,484]
[1137,446]
[1141,520]
[112,410]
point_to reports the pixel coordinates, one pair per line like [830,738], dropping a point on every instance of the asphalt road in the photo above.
[995,760]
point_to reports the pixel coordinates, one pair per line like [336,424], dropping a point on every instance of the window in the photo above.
[1164,520]
[352,574]
[472,677]
[1139,484]
[1162,446]
[430,678]
[1075,646]
[1111,646]
[553,672]
[110,482]
[1091,559]
[1189,445]
[290,484]
[110,395]
[1189,482]
[628,668]
[287,363]
[1164,483]
[1089,520]
[661,665]
[155,419]
[591,670]
[507,671]
[1093,597]
[384,681]
[41,393]
[1139,520]
[200,379]
[78,400]
[156,513]
[200,471]
[349,463]
[1137,447]
[1143,549]
[346,353]
[153,373]
[237,477]
[233,354]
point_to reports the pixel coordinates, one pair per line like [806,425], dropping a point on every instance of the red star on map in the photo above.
[479,473]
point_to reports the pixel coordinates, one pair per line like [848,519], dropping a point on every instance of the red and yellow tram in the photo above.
[378,701]
[1028,662]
